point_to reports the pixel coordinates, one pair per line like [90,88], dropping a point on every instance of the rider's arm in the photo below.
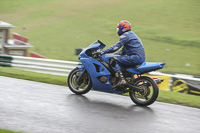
[123,39]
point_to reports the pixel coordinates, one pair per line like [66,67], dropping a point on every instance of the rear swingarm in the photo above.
[138,89]
[133,87]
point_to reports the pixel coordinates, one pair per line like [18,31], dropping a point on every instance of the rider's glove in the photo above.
[119,52]
[98,53]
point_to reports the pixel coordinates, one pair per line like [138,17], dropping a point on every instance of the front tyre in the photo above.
[85,82]
[149,92]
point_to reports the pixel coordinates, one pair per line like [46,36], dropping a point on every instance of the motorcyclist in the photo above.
[132,53]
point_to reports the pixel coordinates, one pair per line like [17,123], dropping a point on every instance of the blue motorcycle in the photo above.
[97,73]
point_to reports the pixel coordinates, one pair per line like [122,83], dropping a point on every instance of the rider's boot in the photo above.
[121,81]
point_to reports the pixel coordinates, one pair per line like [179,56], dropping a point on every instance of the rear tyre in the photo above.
[149,94]
[85,84]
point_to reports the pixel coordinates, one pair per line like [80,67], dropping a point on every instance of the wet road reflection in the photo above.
[34,107]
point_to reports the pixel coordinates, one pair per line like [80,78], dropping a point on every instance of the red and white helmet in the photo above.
[123,26]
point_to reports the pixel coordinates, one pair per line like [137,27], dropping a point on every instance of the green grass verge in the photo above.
[164,96]
[7,131]
[33,76]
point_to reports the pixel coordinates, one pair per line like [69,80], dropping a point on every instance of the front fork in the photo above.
[79,80]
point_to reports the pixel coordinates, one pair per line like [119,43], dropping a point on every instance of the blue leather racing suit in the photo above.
[132,52]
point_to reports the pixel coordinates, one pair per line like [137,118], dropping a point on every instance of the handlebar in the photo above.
[97,53]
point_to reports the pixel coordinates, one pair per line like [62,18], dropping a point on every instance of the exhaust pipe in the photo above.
[158,80]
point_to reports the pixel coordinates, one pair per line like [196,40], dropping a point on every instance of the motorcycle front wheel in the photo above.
[85,82]
[149,92]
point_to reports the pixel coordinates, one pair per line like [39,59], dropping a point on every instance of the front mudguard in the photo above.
[81,68]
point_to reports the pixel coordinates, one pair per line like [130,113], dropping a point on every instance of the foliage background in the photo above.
[169,29]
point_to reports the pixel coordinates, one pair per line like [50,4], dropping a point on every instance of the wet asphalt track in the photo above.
[33,107]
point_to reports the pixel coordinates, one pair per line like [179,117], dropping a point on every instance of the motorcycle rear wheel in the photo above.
[86,82]
[149,94]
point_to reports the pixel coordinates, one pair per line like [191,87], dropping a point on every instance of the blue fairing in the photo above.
[95,45]
[89,64]
[146,67]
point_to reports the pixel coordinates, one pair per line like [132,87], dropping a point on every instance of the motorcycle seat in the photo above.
[134,66]
[146,67]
